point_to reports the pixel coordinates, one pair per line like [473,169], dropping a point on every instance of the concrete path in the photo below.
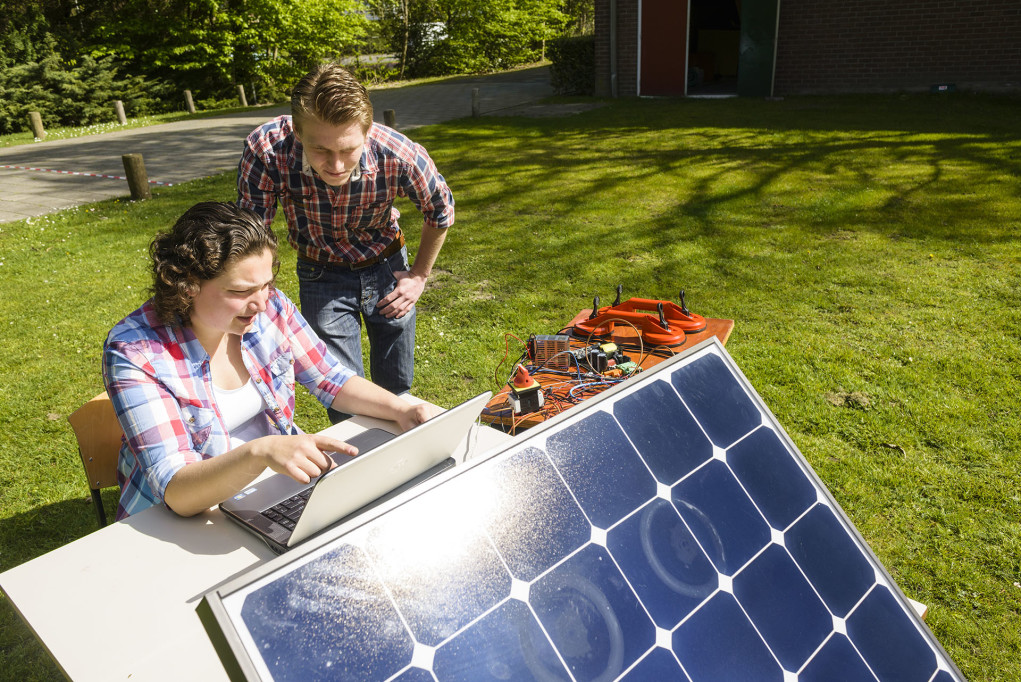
[44,177]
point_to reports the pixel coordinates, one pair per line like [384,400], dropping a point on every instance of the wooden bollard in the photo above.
[138,180]
[118,106]
[189,102]
[241,96]
[36,120]
[390,118]
[476,105]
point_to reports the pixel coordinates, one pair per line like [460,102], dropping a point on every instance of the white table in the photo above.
[119,604]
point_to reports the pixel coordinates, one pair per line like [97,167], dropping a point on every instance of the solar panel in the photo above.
[666,529]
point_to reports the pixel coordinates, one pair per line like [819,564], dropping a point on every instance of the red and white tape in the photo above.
[88,175]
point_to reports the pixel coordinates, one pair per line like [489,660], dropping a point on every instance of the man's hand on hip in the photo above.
[402,299]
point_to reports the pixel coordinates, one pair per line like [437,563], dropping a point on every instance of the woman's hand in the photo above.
[302,457]
[360,396]
[200,485]
[414,415]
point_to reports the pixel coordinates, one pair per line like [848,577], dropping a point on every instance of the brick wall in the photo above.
[827,46]
[627,48]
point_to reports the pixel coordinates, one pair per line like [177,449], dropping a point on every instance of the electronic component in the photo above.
[550,351]
[525,392]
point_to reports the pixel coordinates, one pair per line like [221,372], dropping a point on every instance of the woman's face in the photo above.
[228,304]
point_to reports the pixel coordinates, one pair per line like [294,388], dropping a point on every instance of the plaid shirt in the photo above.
[352,222]
[158,379]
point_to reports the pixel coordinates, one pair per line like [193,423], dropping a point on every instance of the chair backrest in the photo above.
[99,441]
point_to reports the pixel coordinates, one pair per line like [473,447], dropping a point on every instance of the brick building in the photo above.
[786,47]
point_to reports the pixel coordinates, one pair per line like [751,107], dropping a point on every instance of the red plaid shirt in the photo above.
[352,222]
[160,384]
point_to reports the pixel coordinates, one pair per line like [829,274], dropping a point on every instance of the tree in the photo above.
[433,37]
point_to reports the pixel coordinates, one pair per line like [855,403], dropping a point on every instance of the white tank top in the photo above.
[241,409]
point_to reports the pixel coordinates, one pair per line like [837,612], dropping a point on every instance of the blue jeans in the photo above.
[336,300]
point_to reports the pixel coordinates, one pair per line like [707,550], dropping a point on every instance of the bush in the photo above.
[573,65]
[71,94]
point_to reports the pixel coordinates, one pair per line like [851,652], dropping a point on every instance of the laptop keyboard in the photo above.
[287,512]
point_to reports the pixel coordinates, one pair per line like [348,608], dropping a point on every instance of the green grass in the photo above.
[867,248]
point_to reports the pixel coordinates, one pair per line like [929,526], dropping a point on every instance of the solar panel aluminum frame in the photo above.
[235,657]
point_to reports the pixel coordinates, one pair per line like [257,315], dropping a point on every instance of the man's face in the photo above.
[333,151]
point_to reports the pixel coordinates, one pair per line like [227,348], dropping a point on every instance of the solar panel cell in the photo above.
[602,468]
[722,517]
[507,644]
[663,563]
[771,477]
[888,640]
[536,521]
[840,573]
[440,568]
[837,660]
[783,607]
[716,399]
[591,615]
[293,621]
[719,643]
[660,664]
[669,439]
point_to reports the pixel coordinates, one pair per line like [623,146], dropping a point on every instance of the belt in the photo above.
[391,248]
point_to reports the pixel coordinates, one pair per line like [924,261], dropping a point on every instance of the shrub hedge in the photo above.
[573,65]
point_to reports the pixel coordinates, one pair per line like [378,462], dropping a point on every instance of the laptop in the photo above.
[284,512]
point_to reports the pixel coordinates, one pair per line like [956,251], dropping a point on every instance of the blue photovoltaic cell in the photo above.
[669,439]
[719,643]
[446,595]
[772,478]
[789,615]
[888,640]
[537,523]
[829,558]
[717,399]
[507,644]
[615,544]
[601,467]
[663,562]
[292,621]
[719,513]
[838,660]
[660,664]
[592,617]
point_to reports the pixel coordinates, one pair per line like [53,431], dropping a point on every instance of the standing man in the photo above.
[336,175]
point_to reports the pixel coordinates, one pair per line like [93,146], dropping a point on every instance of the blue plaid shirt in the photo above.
[352,222]
[158,379]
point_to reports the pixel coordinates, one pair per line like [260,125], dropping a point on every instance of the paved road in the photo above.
[83,170]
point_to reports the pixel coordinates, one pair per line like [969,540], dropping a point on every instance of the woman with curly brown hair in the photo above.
[202,375]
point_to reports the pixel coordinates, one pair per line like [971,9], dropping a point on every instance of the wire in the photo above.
[638,334]
[506,352]
[564,388]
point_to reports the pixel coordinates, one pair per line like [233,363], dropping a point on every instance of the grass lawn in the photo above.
[867,248]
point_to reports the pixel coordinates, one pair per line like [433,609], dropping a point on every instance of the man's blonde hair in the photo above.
[331,94]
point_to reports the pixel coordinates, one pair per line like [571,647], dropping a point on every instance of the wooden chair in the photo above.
[99,442]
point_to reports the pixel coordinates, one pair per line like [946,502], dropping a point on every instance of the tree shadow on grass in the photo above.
[925,164]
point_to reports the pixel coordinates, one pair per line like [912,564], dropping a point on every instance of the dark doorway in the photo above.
[714,40]
[663,29]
